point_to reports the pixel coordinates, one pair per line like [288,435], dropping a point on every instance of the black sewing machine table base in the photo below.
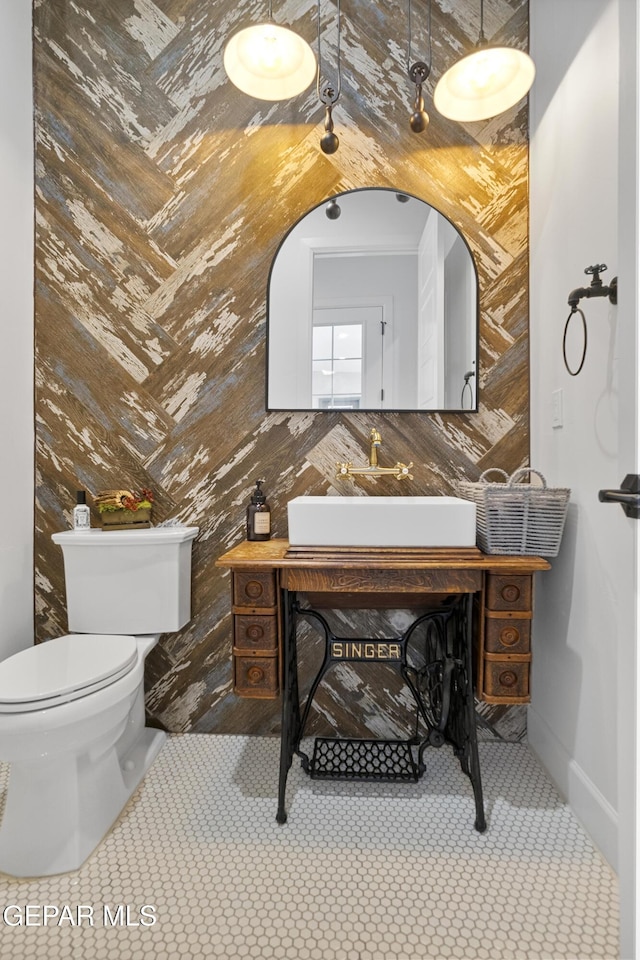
[434,658]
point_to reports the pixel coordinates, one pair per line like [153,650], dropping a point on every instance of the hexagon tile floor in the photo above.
[198,867]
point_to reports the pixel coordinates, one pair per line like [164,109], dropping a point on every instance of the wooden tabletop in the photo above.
[278,554]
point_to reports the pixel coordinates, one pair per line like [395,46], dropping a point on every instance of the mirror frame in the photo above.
[379,410]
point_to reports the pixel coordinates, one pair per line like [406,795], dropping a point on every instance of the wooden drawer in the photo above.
[507,632]
[256,632]
[253,589]
[506,681]
[256,677]
[505,592]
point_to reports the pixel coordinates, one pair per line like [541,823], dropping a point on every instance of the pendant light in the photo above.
[328,95]
[418,72]
[484,83]
[269,62]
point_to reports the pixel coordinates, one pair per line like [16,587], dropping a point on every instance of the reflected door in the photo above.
[348,358]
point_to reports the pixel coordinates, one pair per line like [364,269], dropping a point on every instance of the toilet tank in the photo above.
[127,581]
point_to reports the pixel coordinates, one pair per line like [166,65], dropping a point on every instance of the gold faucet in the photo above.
[400,471]
[376,441]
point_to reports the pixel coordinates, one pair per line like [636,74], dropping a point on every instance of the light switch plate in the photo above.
[556,409]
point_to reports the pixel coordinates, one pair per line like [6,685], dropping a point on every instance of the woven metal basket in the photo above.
[518,518]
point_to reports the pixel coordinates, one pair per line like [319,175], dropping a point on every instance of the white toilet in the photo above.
[72,708]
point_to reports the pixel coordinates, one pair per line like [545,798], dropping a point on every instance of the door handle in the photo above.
[628,496]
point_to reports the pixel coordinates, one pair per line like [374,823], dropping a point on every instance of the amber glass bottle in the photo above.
[258,515]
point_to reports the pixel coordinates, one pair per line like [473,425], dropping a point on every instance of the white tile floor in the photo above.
[359,872]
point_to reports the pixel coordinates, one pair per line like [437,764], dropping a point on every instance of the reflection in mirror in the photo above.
[373,305]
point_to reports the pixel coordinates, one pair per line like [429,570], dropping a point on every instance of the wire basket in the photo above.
[517,518]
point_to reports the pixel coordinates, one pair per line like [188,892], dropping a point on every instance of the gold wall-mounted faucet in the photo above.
[376,441]
[400,471]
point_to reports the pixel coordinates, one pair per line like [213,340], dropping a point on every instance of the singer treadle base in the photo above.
[379,760]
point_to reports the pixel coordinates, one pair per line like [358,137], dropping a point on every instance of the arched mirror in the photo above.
[372,305]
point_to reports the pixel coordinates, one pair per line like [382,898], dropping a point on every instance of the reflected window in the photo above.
[336,366]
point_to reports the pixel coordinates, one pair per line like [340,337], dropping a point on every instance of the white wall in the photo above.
[583,198]
[16,324]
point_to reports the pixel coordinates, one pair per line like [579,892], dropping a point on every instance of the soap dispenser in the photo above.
[258,515]
[81,512]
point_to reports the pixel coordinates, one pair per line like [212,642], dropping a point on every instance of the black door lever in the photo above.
[628,496]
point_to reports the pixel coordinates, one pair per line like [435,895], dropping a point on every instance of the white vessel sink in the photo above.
[382,522]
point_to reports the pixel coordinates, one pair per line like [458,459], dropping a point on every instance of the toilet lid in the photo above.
[63,669]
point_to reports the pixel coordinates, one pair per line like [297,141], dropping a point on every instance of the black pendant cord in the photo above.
[482,40]
[328,95]
[418,71]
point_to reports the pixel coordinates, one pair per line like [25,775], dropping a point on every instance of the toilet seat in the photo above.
[63,669]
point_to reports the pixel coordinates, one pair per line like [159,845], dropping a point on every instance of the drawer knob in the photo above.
[509,636]
[510,592]
[254,589]
[255,675]
[508,678]
[255,632]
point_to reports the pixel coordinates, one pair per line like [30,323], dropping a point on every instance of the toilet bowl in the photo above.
[76,754]
[72,719]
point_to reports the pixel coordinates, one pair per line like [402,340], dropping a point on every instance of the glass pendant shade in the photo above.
[484,83]
[269,62]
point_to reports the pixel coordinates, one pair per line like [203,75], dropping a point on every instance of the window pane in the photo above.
[321,378]
[336,368]
[347,376]
[321,343]
[348,340]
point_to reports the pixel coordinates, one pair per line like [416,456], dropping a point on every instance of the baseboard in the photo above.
[592,809]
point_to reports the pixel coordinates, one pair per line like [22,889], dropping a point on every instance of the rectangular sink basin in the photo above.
[382,522]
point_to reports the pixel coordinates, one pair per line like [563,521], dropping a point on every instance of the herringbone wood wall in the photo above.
[162,193]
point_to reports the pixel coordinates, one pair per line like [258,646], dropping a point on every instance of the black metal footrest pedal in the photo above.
[381,760]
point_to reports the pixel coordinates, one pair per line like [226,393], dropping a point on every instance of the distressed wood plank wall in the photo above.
[162,193]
